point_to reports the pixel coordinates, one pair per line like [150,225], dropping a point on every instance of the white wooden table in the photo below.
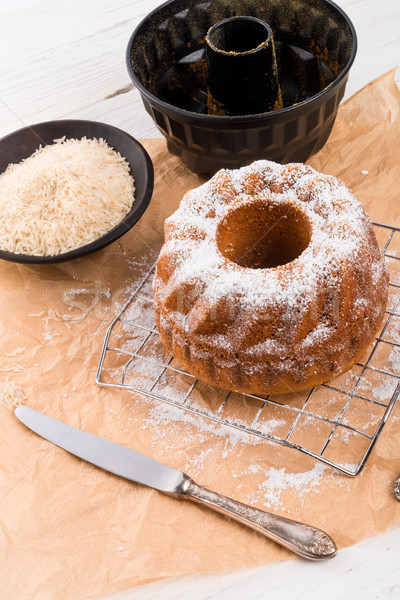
[64,59]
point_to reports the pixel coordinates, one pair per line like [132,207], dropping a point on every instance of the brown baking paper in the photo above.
[69,530]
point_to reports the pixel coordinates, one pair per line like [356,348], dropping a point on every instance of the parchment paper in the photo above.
[69,530]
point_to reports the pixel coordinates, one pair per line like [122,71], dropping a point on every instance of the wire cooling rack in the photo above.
[337,423]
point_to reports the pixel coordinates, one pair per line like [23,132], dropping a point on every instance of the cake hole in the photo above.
[263,236]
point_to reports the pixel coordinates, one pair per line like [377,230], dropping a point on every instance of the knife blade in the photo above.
[112,457]
[305,540]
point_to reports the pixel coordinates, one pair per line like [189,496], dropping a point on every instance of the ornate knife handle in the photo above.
[397,488]
[309,542]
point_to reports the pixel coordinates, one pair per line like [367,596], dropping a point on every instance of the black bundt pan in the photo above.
[315,46]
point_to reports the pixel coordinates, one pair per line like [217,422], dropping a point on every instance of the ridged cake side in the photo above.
[283,328]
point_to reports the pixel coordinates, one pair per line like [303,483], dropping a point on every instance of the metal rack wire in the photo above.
[337,423]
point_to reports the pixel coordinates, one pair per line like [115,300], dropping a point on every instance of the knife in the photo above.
[397,488]
[309,542]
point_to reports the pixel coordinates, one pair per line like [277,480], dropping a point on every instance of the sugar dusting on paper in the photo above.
[163,418]
[394,359]
[278,480]
[170,423]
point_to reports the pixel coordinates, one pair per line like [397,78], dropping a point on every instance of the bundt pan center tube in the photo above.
[167,58]
[242,70]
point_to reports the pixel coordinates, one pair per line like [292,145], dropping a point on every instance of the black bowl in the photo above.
[315,46]
[22,143]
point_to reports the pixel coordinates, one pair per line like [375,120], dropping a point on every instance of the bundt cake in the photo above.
[270,279]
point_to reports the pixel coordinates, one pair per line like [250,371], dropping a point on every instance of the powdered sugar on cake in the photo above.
[335,237]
